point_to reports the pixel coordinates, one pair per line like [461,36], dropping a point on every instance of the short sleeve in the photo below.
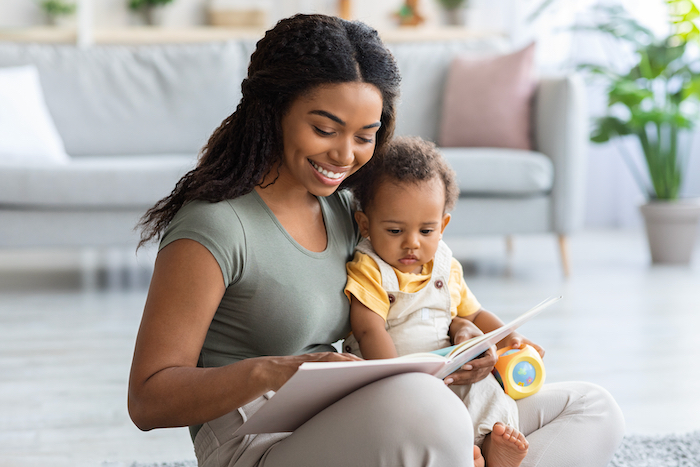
[463,302]
[365,284]
[216,227]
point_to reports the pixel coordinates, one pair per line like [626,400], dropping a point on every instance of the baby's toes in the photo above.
[520,440]
[508,433]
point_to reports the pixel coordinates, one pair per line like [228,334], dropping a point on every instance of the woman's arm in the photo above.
[166,389]
[487,322]
[368,328]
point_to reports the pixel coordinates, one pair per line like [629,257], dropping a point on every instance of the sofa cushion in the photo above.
[145,99]
[423,67]
[105,182]
[487,102]
[27,131]
[500,172]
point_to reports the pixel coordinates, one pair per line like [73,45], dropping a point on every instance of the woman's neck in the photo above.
[298,211]
[278,193]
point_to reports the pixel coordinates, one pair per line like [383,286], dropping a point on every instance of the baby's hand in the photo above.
[461,329]
[518,341]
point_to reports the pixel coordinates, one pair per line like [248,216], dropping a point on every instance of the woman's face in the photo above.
[328,135]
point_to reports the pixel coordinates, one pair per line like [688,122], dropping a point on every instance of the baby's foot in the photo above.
[504,447]
[478,458]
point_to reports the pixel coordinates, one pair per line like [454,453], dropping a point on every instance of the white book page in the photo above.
[317,385]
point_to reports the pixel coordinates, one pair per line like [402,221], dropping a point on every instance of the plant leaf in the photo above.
[608,127]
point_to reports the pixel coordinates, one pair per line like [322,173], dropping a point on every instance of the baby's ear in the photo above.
[363,222]
[445,220]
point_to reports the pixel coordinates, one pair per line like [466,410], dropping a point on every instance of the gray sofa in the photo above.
[133,119]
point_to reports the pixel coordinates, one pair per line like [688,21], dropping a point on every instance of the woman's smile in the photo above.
[333,174]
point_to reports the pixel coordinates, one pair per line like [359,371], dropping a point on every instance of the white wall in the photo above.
[485,14]
[114,13]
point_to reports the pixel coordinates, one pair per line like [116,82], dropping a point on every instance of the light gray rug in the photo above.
[635,451]
[659,451]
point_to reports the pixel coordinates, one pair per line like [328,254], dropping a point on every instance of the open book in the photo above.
[317,385]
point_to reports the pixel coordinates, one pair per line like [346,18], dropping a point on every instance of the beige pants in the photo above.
[414,420]
[487,404]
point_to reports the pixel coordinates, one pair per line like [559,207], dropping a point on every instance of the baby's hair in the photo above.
[406,160]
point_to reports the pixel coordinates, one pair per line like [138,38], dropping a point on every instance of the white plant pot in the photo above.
[61,21]
[671,230]
[455,16]
[150,16]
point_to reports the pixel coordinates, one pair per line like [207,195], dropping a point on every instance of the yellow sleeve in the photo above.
[462,300]
[365,284]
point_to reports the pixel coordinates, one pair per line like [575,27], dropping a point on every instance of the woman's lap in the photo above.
[405,420]
[413,419]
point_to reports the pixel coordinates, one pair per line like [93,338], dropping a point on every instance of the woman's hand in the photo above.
[278,370]
[461,329]
[518,341]
[475,370]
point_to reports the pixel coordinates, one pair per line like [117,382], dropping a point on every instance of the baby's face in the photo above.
[405,223]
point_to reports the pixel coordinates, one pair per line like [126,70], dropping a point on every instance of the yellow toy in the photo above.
[520,372]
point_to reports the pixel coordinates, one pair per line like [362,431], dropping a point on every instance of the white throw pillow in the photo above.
[27,132]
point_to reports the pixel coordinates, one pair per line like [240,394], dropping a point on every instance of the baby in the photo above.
[406,290]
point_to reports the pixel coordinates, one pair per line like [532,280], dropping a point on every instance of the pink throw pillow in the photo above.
[487,101]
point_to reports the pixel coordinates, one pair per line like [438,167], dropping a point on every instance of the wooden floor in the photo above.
[66,338]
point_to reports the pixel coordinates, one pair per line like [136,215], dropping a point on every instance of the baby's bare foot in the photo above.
[478,458]
[504,447]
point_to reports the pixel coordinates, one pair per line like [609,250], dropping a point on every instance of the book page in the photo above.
[317,385]
[480,344]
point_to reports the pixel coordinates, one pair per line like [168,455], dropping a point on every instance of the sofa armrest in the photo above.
[561,133]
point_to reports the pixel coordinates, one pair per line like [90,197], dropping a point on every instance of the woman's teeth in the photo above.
[327,173]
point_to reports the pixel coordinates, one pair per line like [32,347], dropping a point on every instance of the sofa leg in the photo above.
[564,252]
[509,246]
[509,255]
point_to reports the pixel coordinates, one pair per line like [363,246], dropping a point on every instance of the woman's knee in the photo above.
[595,401]
[601,403]
[596,411]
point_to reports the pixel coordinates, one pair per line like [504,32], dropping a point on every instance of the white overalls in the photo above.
[420,322]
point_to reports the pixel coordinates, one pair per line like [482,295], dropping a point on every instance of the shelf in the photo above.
[161,35]
[132,35]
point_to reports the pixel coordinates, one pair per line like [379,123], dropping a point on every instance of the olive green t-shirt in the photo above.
[280,298]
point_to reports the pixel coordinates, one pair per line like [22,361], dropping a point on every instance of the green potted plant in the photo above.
[148,9]
[56,10]
[657,102]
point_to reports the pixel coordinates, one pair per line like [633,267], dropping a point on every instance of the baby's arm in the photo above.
[487,322]
[368,328]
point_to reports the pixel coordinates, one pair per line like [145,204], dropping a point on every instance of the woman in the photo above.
[248,282]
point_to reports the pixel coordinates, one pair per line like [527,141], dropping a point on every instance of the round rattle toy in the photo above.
[520,372]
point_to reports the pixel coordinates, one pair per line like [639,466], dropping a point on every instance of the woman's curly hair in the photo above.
[295,57]
[405,160]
